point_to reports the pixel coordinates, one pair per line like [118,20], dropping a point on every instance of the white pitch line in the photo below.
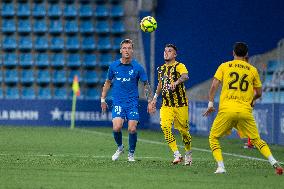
[77,155]
[197,149]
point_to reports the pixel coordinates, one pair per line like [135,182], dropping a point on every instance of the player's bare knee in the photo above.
[132,130]
[116,128]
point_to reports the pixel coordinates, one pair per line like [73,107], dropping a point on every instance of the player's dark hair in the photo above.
[172,45]
[129,41]
[240,49]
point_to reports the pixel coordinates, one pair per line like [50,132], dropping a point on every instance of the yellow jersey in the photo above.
[239,79]
[167,74]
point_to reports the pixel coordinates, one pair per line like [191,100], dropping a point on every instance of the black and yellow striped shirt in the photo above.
[167,74]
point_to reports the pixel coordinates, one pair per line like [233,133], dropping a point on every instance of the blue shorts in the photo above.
[125,112]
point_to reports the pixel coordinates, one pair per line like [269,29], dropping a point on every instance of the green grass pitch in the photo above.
[51,158]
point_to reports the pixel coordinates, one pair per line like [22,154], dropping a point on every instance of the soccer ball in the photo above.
[148,24]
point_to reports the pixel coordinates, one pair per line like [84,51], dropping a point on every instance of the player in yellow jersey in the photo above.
[174,110]
[239,81]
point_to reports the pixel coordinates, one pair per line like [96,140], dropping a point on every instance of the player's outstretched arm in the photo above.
[105,90]
[212,92]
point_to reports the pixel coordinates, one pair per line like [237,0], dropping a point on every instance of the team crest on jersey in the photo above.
[130,72]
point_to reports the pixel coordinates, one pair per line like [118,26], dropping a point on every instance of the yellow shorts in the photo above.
[243,122]
[174,115]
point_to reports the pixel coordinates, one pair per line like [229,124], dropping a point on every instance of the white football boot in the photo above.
[118,152]
[178,159]
[187,159]
[220,170]
[131,157]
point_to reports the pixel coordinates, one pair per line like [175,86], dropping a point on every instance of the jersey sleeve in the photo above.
[256,81]
[219,73]
[182,69]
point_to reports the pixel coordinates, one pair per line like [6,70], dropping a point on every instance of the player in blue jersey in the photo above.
[123,77]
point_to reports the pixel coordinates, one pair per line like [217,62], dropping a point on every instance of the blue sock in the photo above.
[118,138]
[132,142]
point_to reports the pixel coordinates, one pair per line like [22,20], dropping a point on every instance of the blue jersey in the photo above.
[125,79]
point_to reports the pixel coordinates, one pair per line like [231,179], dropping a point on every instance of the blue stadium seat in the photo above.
[105,59]
[70,11]
[28,93]
[38,10]
[116,43]
[71,26]
[117,11]
[85,11]
[72,43]
[55,26]
[43,77]
[73,60]
[85,1]
[281,97]
[11,76]
[88,43]
[269,97]
[269,82]
[104,44]
[9,42]
[101,11]
[41,43]
[44,93]
[57,43]
[71,75]
[26,60]
[281,78]
[27,76]
[40,26]
[60,93]
[12,93]
[59,77]
[54,10]
[8,25]
[1,93]
[102,27]
[7,9]
[103,77]
[23,10]
[272,66]
[117,27]
[86,26]
[90,60]
[41,60]
[10,59]
[1,76]
[25,43]
[91,77]
[24,26]
[92,94]
[57,60]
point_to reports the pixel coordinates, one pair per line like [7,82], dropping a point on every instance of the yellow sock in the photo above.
[173,146]
[217,154]
[262,147]
[186,138]
[216,148]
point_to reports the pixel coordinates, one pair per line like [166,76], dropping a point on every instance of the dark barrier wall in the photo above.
[58,113]
[204,31]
